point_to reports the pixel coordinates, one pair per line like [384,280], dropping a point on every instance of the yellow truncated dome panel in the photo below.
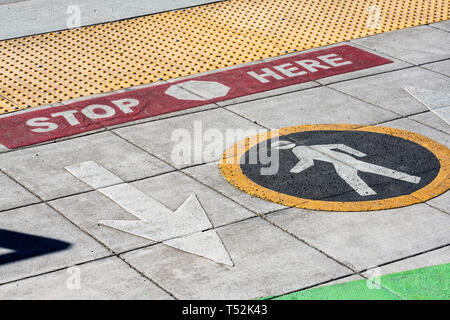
[58,66]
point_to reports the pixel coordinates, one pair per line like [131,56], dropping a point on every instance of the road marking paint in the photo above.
[48,124]
[346,166]
[183,229]
[396,167]
[203,244]
[5,251]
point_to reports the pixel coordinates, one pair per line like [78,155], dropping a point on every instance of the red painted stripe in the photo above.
[74,118]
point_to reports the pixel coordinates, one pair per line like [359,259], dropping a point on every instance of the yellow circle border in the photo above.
[231,170]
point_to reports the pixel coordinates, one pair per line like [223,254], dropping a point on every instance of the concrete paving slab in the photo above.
[410,125]
[174,188]
[388,90]
[88,209]
[366,239]
[432,120]
[42,167]
[210,175]
[37,16]
[441,67]
[267,262]
[41,220]
[432,258]
[317,105]
[443,25]
[441,202]
[415,45]
[104,279]
[14,195]
[190,139]
[206,244]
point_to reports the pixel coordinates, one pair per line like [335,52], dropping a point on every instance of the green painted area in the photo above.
[430,283]
[354,290]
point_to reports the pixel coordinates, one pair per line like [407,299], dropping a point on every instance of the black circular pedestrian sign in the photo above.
[339,167]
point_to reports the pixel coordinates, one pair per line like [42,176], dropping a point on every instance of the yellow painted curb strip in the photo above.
[231,170]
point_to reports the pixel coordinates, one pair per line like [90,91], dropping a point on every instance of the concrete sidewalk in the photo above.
[28,17]
[275,249]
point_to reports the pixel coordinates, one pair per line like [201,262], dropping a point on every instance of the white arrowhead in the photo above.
[181,229]
[437,101]
[187,219]
[205,244]
[197,90]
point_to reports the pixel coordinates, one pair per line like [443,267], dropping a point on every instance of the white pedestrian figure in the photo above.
[346,166]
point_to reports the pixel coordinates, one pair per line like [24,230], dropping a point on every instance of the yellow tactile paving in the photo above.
[59,66]
[7,105]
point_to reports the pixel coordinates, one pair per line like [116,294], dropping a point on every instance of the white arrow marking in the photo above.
[437,101]
[182,229]
[204,244]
